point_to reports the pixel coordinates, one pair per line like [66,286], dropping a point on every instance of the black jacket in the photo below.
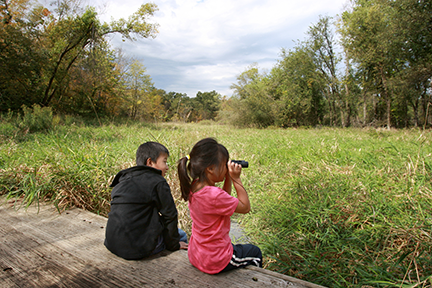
[142,208]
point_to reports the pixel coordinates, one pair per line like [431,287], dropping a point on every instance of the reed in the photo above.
[336,207]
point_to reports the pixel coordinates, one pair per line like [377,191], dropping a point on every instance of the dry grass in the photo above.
[337,207]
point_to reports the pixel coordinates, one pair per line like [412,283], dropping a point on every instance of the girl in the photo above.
[210,248]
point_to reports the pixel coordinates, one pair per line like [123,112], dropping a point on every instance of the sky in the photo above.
[203,45]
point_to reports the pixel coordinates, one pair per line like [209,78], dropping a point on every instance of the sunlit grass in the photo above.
[336,207]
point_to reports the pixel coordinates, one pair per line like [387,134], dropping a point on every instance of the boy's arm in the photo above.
[169,216]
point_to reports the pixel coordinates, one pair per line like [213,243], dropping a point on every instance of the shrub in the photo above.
[7,130]
[7,125]
[36,119]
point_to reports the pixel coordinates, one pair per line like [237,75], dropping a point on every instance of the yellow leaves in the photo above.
[12,11]
[46,12]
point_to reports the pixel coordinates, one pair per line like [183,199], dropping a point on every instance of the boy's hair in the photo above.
[205,153]
[150,150]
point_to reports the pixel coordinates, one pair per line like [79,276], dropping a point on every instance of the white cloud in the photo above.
[203,45]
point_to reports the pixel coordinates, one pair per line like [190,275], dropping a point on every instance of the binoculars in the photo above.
[243,163]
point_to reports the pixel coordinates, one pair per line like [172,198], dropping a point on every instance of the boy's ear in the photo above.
[149,162]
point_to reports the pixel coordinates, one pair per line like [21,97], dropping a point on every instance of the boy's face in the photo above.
[161,163]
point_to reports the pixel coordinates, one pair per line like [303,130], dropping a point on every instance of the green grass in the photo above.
[336,207]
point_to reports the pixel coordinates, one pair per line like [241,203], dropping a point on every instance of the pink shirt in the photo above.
[210,248]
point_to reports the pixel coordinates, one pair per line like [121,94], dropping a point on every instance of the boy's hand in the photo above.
[234,170]
[183,245]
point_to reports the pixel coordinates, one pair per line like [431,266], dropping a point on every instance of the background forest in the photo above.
[369,66]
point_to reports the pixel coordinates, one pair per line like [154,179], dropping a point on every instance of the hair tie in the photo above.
[188,157]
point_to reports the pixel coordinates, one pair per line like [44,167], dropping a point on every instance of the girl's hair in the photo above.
[150,150]
[205,153]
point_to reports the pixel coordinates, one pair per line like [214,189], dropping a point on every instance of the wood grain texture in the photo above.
[41,248]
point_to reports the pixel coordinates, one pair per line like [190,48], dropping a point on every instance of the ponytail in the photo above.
[185,180]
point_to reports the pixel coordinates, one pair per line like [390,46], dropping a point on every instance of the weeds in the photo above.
[336,207]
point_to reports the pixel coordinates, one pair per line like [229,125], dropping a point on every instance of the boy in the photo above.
[143,217]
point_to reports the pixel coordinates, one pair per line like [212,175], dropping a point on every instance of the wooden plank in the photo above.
[42,248]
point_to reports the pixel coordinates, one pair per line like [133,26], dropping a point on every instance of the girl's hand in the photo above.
[234,170]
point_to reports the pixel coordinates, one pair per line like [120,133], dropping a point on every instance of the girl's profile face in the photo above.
[217,174]
[222,170]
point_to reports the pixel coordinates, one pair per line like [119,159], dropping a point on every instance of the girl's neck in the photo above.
[198,185]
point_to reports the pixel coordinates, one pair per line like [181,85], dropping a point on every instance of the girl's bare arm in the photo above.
[244,204]
[228,183]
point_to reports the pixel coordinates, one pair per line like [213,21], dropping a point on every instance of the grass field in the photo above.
[336,207]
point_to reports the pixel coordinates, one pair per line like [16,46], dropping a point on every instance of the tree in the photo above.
[412,20]
[208,103]
[42,49]
[177,106]
[255,104]
[367,34]
[153,107]
[64,43]
[71,35]
[21,62]
[92,85]
[321,42]
[298,88]
[138,86]
[391,42]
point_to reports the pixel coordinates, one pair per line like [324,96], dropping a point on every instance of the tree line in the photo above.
[371,65]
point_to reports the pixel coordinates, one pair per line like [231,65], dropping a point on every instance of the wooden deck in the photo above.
[42,248]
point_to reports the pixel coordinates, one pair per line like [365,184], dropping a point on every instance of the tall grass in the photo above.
[337,207]
[345,208]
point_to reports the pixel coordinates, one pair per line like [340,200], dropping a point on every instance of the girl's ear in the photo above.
[210,169]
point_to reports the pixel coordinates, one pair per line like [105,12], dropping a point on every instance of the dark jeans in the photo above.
[243,255]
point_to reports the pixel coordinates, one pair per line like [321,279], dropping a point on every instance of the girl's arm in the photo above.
[234,170]
[228,183]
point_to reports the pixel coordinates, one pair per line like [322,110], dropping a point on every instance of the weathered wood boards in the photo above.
[42,248]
